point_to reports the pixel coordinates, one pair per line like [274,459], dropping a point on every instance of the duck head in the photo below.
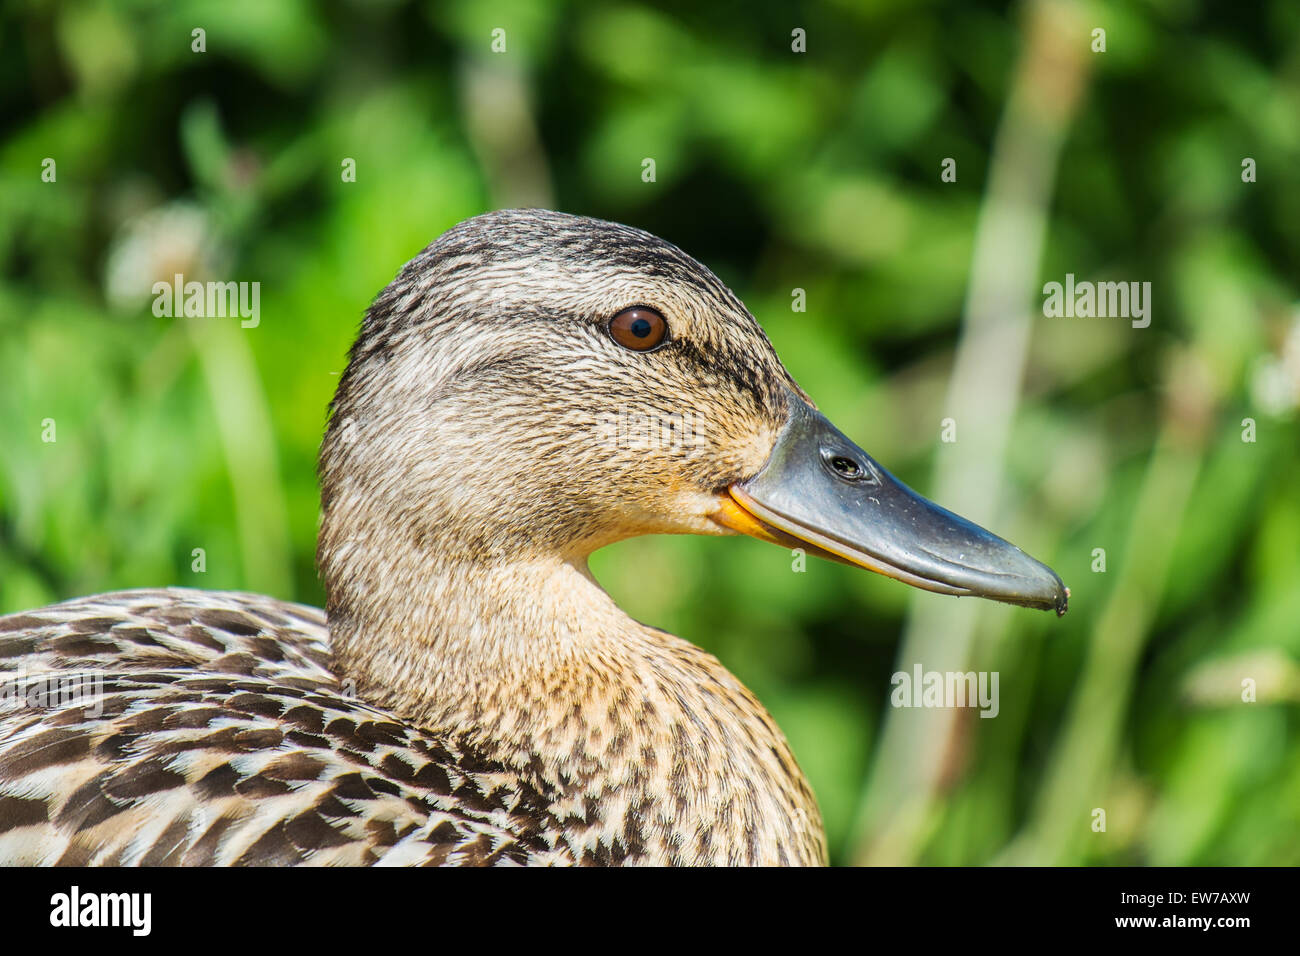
[539,383]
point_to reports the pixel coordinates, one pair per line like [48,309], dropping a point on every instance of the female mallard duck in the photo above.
[471,695]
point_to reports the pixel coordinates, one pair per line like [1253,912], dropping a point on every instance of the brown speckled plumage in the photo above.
[477,698]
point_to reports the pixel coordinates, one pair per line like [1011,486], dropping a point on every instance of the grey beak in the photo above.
[819,487]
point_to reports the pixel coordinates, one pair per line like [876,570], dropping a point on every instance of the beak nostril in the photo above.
[846,468]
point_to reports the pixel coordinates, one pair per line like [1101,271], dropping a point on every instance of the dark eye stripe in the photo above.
[639,328]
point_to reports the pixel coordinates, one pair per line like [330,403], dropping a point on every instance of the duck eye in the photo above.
[638,328]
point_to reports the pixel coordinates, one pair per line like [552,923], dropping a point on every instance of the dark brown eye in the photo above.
[638,328]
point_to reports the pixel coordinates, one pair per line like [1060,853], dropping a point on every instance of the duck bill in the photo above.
[820,491]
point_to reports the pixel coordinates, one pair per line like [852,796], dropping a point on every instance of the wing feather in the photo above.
[178,727]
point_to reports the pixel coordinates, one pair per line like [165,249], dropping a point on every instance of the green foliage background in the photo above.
[779,170]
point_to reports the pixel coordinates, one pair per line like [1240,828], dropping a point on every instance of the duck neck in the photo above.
[532,664]
[429,651]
